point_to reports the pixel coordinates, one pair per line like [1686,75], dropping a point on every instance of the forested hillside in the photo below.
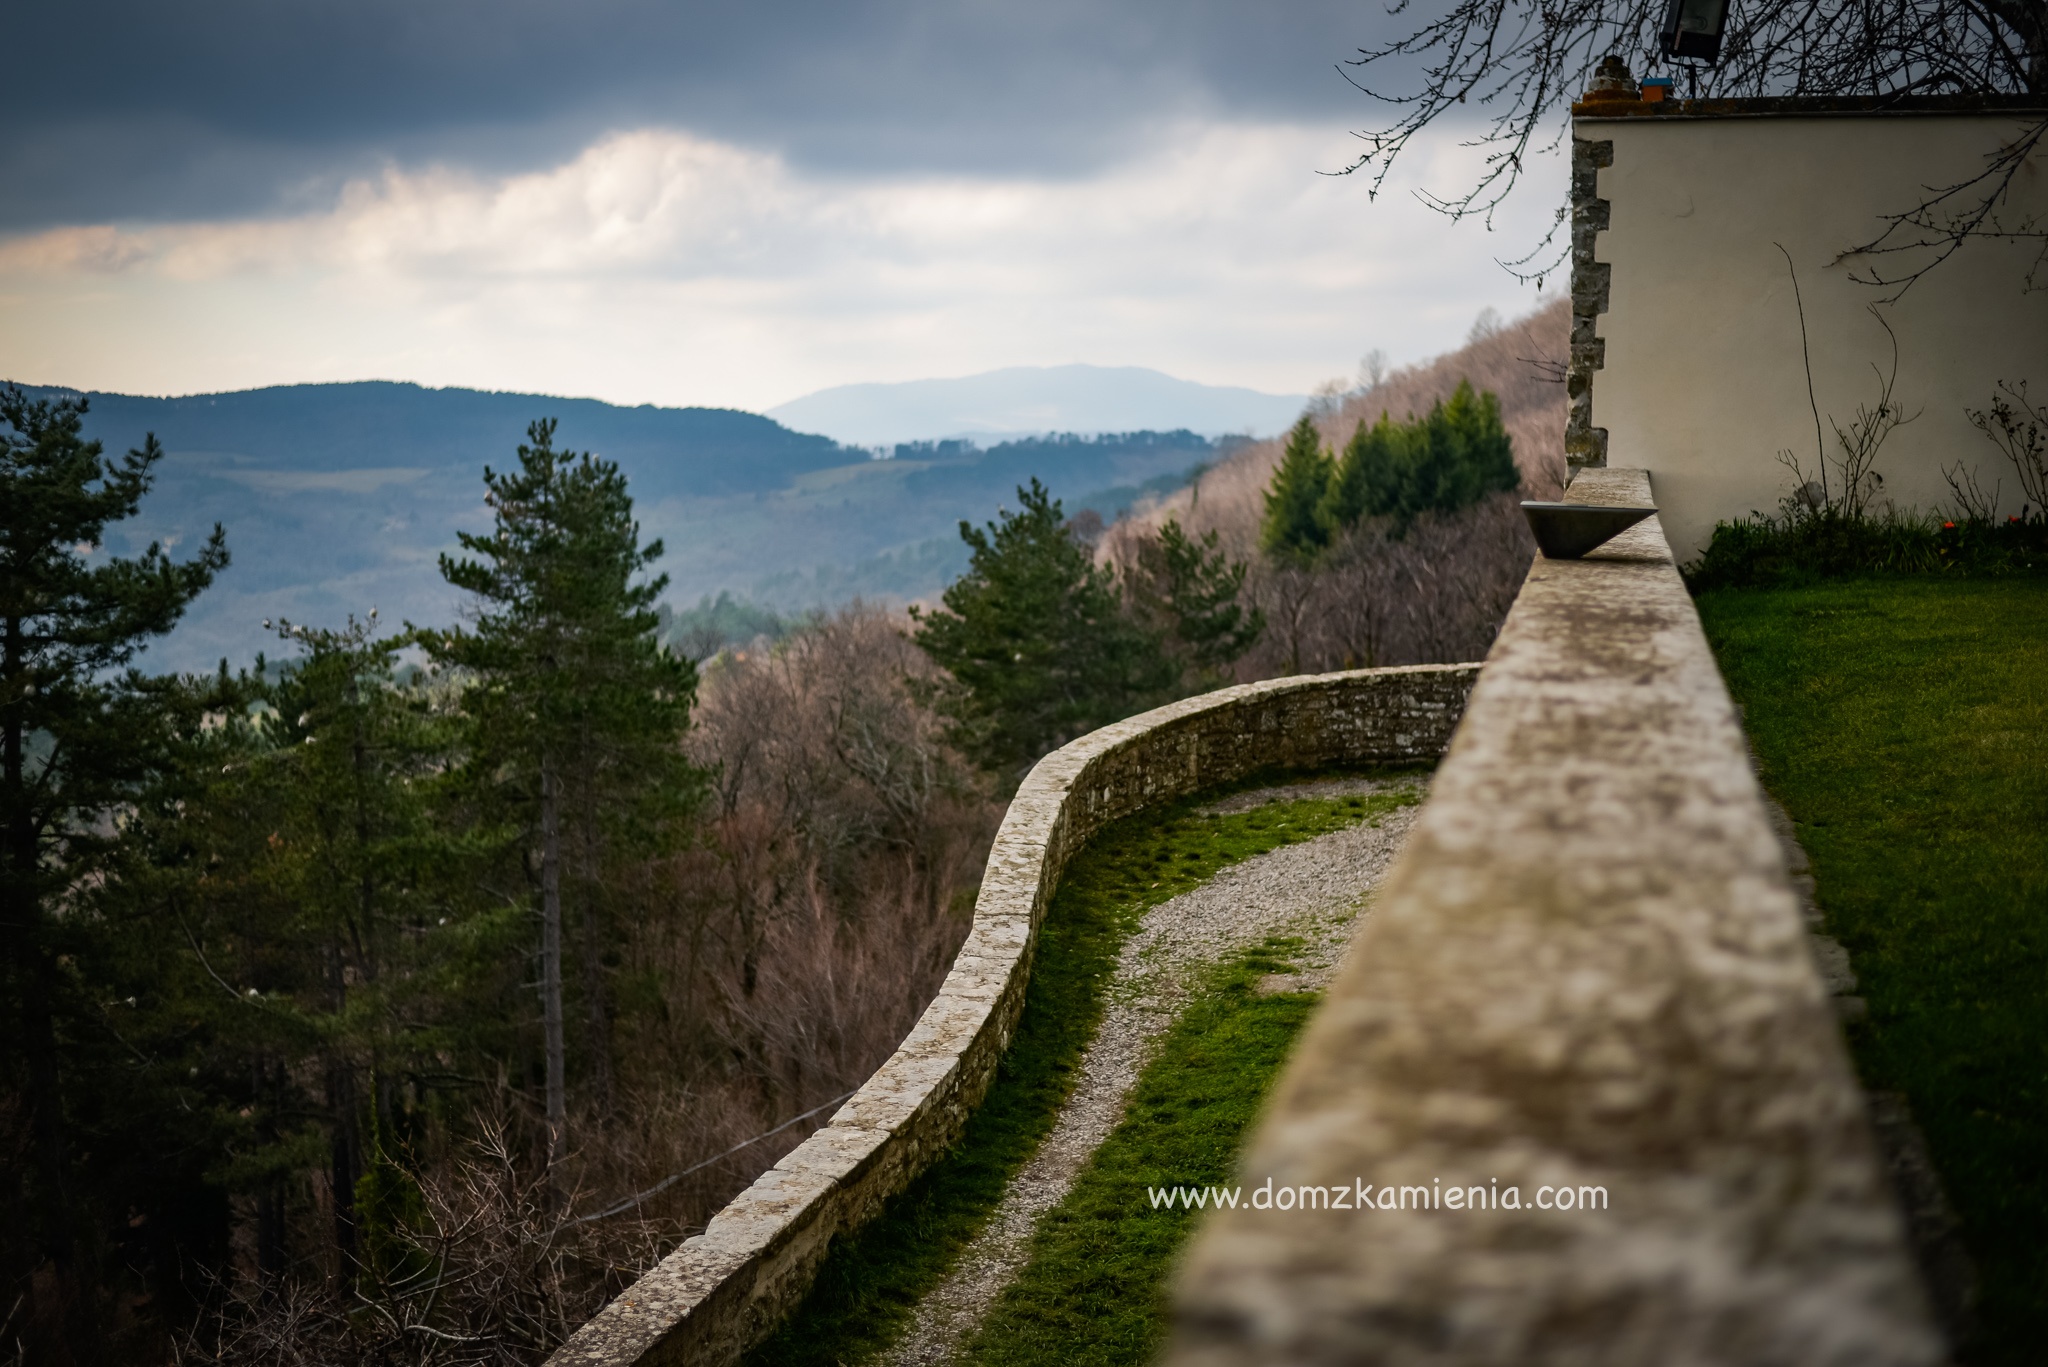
[1378,590]
[399,994]
[1520,362]
[340,495]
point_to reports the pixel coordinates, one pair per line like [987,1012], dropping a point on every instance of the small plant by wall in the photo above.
[1837,522]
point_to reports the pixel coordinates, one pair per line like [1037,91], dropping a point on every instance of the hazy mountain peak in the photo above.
[1019,400]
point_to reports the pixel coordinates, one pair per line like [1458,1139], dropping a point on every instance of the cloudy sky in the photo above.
[715,203]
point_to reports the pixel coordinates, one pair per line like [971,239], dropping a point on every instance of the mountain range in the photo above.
[1033,400]
[341,497]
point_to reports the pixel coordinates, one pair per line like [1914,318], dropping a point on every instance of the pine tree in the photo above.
[342,766]
[1037,642]
[1190,589]
[576,713]
[80,734]
[1291,533]
[1368,479]
[1472,453]
[1450,458]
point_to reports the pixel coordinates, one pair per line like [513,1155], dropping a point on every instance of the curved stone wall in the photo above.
[725,1290]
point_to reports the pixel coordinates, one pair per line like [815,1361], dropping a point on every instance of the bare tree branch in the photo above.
[1519,64]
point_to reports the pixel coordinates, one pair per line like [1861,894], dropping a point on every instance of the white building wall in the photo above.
[1703,382]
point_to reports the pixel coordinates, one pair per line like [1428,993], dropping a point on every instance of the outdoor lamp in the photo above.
[1692,29]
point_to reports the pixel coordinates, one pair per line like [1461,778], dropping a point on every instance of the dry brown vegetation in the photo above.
[1437,593]
[767,971]
[764,971]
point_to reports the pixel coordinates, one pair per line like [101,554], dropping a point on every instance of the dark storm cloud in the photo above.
[123,110]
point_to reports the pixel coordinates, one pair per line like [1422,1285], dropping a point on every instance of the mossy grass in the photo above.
[1095,1288]
[1904,725]
[873,1278]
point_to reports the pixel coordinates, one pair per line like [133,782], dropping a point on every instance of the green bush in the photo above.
[1448,459]
[1801,546]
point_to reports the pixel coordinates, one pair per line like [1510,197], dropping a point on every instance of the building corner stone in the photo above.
[1585,446]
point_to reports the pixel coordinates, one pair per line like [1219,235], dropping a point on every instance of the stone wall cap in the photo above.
[1806,106]
[1585,971]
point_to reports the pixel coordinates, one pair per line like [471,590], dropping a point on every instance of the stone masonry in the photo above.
[724,1291]
[1587,970]
[1585,446]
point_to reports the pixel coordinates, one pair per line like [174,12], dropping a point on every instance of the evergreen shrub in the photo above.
[1448,459]
[1802,546]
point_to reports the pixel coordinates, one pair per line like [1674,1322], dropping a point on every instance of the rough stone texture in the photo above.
[1587,968]
[1584,444]
[1313,891]
[725,1290]
[1931,1222]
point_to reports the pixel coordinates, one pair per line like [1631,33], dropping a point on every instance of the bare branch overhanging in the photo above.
[1525,61]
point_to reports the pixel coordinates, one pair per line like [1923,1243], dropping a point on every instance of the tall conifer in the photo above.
[577,713]
[1037,642]
[80,733]
[1291,533]
[1190,590]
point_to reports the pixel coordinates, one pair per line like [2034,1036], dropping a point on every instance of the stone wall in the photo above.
[1584,444]
[1587,970]
[724,1291]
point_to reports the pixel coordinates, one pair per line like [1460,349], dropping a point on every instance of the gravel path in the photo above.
[1314,890]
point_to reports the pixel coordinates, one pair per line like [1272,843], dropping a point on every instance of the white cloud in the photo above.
[661,267]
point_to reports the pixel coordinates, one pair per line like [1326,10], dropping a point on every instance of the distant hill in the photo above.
[374,424]
[337,498]
[1030,400]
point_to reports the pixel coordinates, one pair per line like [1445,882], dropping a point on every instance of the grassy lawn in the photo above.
[1904,724]
[873,1279]
[1095,1288]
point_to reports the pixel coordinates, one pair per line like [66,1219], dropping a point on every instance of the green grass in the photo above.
[1904,725]
[1094,1289]
[873,1278]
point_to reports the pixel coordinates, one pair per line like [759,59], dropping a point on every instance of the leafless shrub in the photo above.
[762,974]
[1436,595]
[1520,363]
[1972,503]
[495,1273]
[2020,432]
[1855,486]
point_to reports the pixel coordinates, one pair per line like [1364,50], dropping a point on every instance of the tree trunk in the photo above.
[344,1138]
[270,1223]
[599,1016]
[45,1096]
[21,922]
[551,954]
[345,1160]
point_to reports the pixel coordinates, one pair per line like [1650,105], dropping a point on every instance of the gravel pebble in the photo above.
[1314,890]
